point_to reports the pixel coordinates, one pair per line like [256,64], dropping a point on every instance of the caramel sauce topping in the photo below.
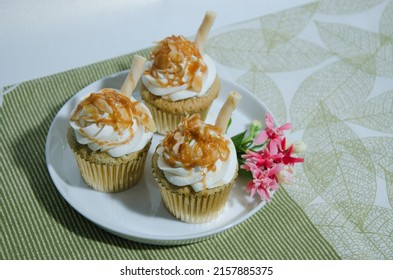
[179,61]
[108,107]
[195,143]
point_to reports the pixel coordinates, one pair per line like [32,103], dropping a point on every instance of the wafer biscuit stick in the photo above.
[226,110]
[204,29]
[133,76]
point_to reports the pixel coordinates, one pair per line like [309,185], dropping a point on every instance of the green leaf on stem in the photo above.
[238,139]
[245,174]
[229,124]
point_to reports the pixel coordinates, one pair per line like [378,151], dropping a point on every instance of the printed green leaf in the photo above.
[361,153]
[249,48]
[266,91]
[301,190]
[370,240]
[386,22]
[340,232]
[320,169]
[281,27]
[378,229]
[369,51]
[376,113]
[381,151]
[341,87]
[384,60]
[340,7]
[350,189]
[348,41]
[389,185]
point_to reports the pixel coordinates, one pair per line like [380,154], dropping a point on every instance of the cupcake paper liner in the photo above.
[166,122]
[111,178]
[193,208]
[168,114]
[107,174]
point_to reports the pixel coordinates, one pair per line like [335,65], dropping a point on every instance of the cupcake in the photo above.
[179,79]
[110,134]
[196,166]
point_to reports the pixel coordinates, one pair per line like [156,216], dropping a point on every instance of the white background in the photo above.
[282,270]
[43,37]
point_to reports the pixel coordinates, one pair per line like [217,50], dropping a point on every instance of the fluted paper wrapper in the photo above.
[191,207]
[116,176]
[168,114]
[111,178]
[166,122]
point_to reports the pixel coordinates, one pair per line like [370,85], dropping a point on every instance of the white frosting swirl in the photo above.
[108,139]
[175,93]
[199,177]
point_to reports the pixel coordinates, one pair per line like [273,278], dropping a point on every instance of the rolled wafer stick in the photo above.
[226,110]
[129,85]
[204,29]
[133,76]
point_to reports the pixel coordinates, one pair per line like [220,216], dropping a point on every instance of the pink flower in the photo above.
[263,181]
[271,133]
[269,160]
[250,166]
[261,158]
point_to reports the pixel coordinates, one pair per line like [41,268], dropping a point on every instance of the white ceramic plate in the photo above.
[138,213]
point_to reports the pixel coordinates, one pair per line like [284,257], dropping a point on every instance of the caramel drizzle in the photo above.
[169,55]
[201,145]
[119,110]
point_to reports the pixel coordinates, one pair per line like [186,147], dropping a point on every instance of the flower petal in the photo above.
[286,126]
[269,121]
[264,194]
[277,168]
[273,147]
[261,138]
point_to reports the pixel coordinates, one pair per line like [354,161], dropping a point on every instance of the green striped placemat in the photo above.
[36,223]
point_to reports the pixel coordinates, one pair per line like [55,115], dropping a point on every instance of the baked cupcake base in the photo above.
[187,205]
[167,114]
[105,173]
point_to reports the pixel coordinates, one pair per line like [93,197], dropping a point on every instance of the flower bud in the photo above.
[284,177]
[255,127]
[290,169]
[299,146]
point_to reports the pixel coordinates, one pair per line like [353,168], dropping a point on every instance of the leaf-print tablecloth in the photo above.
[328,68]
